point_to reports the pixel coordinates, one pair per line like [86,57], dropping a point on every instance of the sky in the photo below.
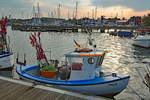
[86,8]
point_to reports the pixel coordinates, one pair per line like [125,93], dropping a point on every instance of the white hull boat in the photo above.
[142,41]
[6,61]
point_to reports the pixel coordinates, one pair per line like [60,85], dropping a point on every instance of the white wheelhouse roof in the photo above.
[86,54]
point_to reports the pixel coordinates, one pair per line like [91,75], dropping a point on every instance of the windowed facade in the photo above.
[77,60]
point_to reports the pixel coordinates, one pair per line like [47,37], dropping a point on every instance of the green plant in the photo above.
[49,68]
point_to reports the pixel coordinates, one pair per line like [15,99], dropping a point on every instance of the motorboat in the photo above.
[142,41]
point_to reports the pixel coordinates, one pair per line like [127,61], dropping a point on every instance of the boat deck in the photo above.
[12,89]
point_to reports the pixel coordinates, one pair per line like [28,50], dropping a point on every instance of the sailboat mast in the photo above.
[34,13]
[59,11]
[38,13]
[76,10]
[95,12]
[88,14]
[92,13]
[68,14]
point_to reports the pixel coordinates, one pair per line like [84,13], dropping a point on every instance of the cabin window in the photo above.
[77,63]
[91,61]
[100,60]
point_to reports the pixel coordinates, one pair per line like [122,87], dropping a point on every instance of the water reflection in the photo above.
[122,57]
[141,53]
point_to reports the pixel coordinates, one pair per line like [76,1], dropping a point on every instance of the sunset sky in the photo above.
[108,8]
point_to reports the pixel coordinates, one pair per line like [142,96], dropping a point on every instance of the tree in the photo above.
[146,20]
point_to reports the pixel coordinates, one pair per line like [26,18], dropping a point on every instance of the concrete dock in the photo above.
[13,89]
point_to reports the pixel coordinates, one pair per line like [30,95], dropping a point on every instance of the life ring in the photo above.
[84,50]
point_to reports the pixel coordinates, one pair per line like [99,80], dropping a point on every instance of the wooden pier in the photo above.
[75,28]
[12,89]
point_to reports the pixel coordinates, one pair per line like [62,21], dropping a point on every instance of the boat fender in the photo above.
[114,74]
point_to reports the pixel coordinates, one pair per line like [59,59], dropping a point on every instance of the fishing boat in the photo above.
[6,56]
[142,40]
[81,72]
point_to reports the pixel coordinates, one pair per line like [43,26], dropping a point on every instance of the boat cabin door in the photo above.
[82,67]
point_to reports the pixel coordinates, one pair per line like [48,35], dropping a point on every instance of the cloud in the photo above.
[15,7]
[137,5]
[127,8]
[15,3]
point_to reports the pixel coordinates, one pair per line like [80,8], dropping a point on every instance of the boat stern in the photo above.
[7,61]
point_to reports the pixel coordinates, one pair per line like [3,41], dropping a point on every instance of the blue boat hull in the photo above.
[6,61]
[105,86]
[124,34]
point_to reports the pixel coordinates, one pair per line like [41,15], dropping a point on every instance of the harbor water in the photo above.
[122,56]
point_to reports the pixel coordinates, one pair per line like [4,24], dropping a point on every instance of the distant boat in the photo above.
[81,72]
[6,56]
[142,40]
[124,33]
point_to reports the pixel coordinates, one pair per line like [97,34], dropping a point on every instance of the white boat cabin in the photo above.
[85,65]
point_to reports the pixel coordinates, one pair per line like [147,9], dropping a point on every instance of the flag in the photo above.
[32,41]
[77,44]
[35,34]
[39,33]
[5,20]
[3,23]
[41,54]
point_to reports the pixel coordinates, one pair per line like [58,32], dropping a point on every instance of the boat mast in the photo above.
[68,14]
[92,13]
[76,10]
[58,11]
[34,13]
[88,14]
[96,12]
[38,13]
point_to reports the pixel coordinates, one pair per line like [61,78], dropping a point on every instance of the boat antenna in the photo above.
[90,40]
